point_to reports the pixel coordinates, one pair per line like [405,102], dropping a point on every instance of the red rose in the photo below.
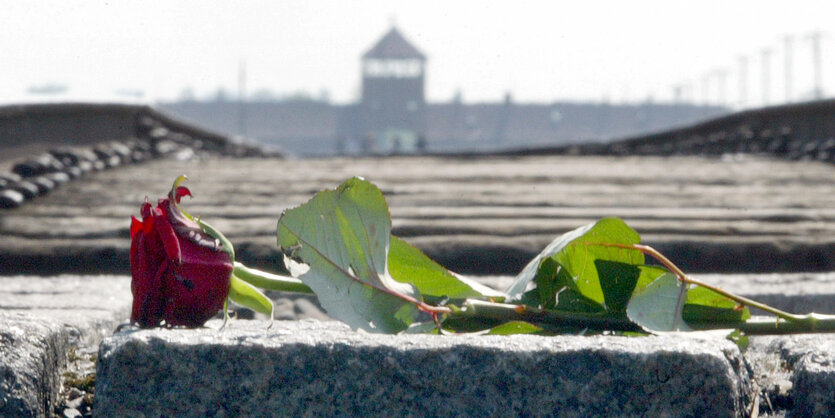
[180,274]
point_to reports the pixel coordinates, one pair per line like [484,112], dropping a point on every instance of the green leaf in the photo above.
[408,264]
[617,280]
[463,325]
[557,290]
[706,306]
[516,327]
[343,235]
[245,294]
[648,275]
[549,280]
[739,338]
[577,251]
[657,307]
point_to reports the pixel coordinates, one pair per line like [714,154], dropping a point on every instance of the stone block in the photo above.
[10,199]
[43,184]
[314,368]
[37,165]
[60,177]
[8,178]
[806,365]
[32,352]
[26,188]
[41,319]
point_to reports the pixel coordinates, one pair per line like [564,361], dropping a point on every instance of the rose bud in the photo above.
[180,274]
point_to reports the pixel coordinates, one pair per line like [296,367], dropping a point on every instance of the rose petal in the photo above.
[148,267]
[145,209]
[180,192]
[135,227]
[167,235]
[197,292]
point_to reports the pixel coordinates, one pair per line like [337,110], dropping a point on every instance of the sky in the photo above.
[537,51]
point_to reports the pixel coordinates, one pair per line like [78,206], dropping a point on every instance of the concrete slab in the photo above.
[795,373]
[32,351]
[315,368]
[89,306]
[40,320]
[324,368]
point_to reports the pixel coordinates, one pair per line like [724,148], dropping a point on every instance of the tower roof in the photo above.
[394,45]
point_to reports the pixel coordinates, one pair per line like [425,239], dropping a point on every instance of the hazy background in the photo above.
[608,51]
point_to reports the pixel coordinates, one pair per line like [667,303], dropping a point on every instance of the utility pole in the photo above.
[815,37]
[766,63]
[743,81]
[787,62]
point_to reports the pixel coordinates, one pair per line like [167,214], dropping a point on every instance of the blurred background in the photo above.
[380,77]
[710,127]
[490,127]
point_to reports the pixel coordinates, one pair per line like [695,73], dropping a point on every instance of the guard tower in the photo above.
[393,107]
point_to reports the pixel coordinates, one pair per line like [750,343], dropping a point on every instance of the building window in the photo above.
[409,68]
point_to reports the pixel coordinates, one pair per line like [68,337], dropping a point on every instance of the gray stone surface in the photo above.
[315,368]
[796,373]
[40,319]
[32,351]
[309,362]
[88,306]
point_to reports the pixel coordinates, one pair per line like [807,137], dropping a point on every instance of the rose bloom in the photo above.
[179,273]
